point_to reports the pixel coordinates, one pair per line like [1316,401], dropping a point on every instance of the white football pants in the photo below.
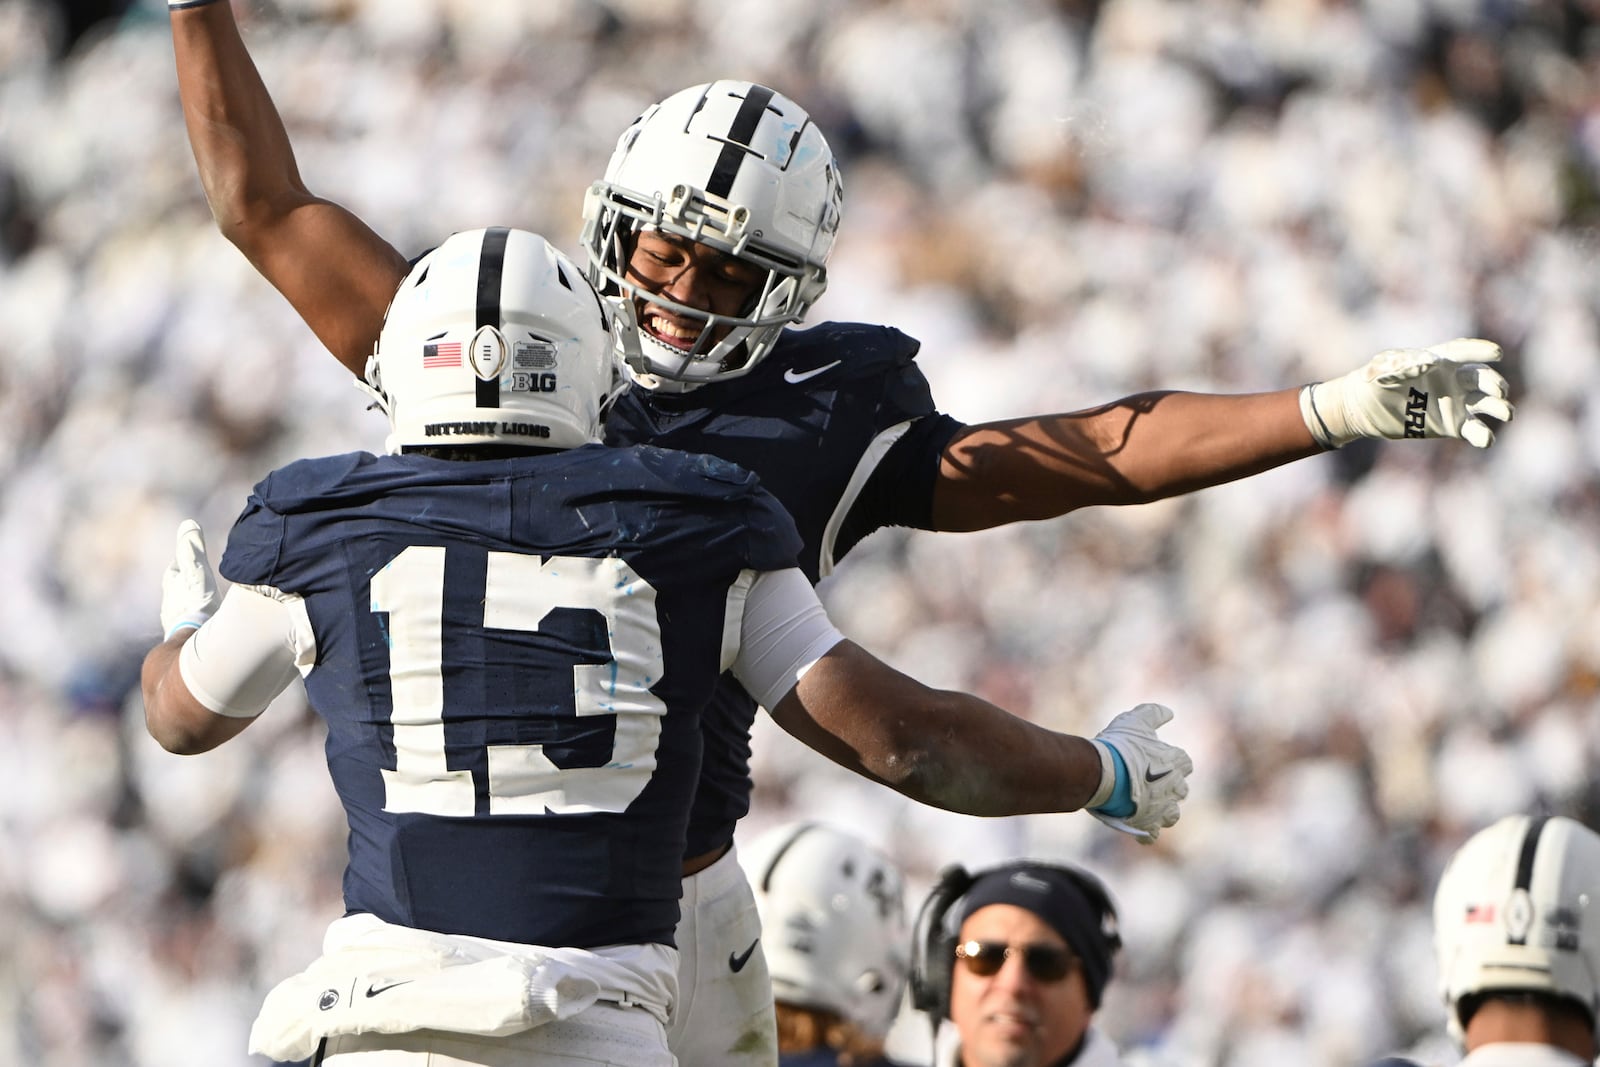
[724,1012]
[604,1033]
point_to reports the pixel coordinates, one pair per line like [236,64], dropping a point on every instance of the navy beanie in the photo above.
[1055,895]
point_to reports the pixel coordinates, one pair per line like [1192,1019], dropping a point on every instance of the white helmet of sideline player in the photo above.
[1518,909]
[737,167]
[833,925]
[494,337]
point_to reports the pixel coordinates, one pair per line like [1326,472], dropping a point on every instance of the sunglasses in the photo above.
[1044,963]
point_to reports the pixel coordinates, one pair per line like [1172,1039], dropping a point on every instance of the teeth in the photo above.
[668,328]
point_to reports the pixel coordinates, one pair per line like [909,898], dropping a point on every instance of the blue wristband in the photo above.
[1121,805]
[190,624]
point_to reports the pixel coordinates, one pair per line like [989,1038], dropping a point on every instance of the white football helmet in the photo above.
[494,337]
[1518,909]
[742,169]
[833,924]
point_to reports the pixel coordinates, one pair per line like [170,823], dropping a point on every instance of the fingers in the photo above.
[1467,350]
[1493,407]
[1151,715]
[1485,404]
[1144,836]
[191,546]
[1475,377]
[1477,434]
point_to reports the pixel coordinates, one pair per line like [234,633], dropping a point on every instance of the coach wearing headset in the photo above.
[1016,957]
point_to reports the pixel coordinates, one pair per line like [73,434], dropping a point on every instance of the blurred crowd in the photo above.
[1371,653]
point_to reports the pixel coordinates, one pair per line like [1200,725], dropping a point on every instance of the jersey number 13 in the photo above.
[520,591]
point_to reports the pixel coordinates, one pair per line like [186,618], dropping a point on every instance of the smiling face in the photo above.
[691,274]
[1010,1018]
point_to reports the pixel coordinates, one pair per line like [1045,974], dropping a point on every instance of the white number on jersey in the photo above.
[519,593]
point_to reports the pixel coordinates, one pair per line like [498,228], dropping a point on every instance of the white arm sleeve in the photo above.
[248,652]
[784,631]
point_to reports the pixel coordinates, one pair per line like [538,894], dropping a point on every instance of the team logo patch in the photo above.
[1519,916]
[488,353]
[330,997]
[442,354]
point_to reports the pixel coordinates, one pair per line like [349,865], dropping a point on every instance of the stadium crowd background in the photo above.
[1371,654]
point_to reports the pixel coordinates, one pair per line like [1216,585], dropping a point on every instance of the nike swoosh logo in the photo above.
[1156,777]
[794,377]
[737,960]
[374,989]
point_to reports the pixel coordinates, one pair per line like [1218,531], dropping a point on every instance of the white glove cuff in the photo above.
[1316,415]
[188,622]
[1108,775]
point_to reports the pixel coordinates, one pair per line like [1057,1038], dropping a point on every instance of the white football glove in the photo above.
[1444,390]
[1158,773]
[188,588]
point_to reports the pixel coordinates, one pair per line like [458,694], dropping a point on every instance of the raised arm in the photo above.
[194,699]
[334,270]
[1156,445]
[178,721]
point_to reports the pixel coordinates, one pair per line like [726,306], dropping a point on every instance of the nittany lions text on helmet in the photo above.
[533,366]
[1518,909]
[739,168]
[833,925]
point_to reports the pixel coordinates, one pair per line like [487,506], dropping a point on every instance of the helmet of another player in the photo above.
[740,169]
[833,926]
[1518,910]
[494,337]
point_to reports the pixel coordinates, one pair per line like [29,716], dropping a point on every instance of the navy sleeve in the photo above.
[900,491]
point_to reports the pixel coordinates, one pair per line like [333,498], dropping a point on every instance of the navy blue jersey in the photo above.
[512,659]
[802,421]
[824,1057]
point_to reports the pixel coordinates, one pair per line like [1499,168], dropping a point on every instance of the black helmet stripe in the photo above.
[491,270]
[783,850]
[1530,849]
[737,146]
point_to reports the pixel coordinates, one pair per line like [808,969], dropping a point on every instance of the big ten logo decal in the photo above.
[532,367]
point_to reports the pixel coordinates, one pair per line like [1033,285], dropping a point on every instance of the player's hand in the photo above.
[188,588]
[1151,780]
[1444,390]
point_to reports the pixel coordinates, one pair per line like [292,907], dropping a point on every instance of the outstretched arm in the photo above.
[948,749]
[1156,445]
[1138,449]
[334,270]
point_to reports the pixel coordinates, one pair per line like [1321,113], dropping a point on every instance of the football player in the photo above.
[833,929]
[1516,925]
[513,729]
[711,230]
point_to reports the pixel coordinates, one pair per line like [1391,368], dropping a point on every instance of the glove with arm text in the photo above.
[1444,390]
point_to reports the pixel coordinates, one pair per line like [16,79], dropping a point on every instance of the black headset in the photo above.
[934,935]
